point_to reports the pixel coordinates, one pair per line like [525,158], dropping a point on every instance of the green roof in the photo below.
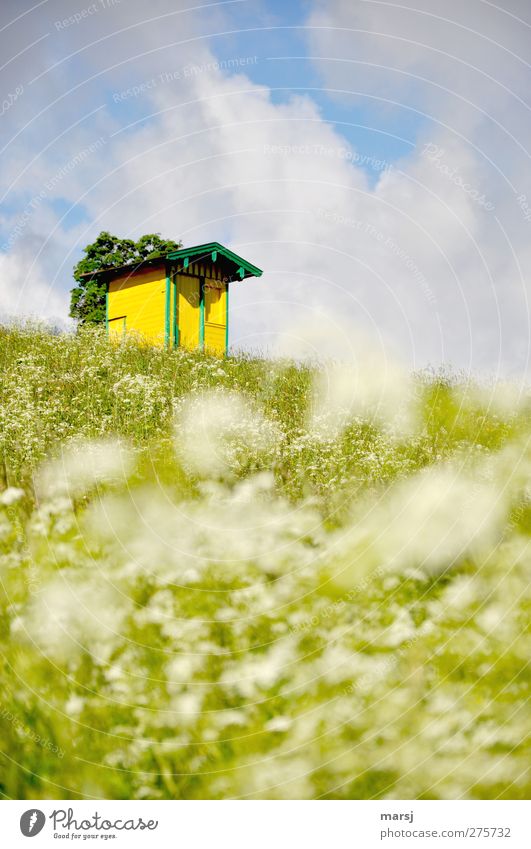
[213,250]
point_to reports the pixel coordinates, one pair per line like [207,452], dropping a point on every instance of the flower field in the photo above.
[245,578]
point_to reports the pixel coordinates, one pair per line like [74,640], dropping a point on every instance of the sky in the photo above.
[371,156]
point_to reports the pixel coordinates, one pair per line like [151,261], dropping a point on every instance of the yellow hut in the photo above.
[179,299]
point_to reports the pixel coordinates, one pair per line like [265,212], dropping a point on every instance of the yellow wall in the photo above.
[137,302]
[140,298]
[189,313]
[188,310]
[215,318]
[117,327]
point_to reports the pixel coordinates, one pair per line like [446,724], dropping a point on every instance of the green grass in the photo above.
[219,582]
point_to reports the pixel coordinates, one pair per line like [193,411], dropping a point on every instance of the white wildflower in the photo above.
[373,388]
[11,495]
[261,670]
[278,723]
[80,467]
[187,707]
[431,520]
[74,705]
[77,613]
[181,669]
[215,429]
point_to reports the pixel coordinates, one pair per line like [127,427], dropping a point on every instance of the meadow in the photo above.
[252,578]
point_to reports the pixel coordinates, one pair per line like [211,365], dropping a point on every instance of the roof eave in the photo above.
[123,269]
[245,269]
[249,270]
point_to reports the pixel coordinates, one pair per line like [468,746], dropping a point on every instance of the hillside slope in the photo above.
[245,578]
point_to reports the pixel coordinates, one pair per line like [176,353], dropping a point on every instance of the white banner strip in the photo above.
[268,824]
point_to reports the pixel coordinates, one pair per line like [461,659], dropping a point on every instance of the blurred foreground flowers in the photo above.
[244,591]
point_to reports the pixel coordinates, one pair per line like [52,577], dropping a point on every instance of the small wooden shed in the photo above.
[180,299]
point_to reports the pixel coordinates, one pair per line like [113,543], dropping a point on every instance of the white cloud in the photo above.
[410,255]
[25,293]
[465,67]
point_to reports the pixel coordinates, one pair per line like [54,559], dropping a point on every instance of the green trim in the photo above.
[202,313]
[227,321]
[167,312]
[107,309]
[175,325]
[184,254]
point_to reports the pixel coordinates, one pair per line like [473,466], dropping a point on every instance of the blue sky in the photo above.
[285,64]
[373,158]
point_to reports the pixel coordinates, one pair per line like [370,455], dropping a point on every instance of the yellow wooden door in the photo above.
[188,311]
[215,318]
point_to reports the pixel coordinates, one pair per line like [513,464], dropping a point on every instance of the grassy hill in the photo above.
[245,578]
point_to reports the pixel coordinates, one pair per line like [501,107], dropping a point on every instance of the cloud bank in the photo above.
[137,120]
